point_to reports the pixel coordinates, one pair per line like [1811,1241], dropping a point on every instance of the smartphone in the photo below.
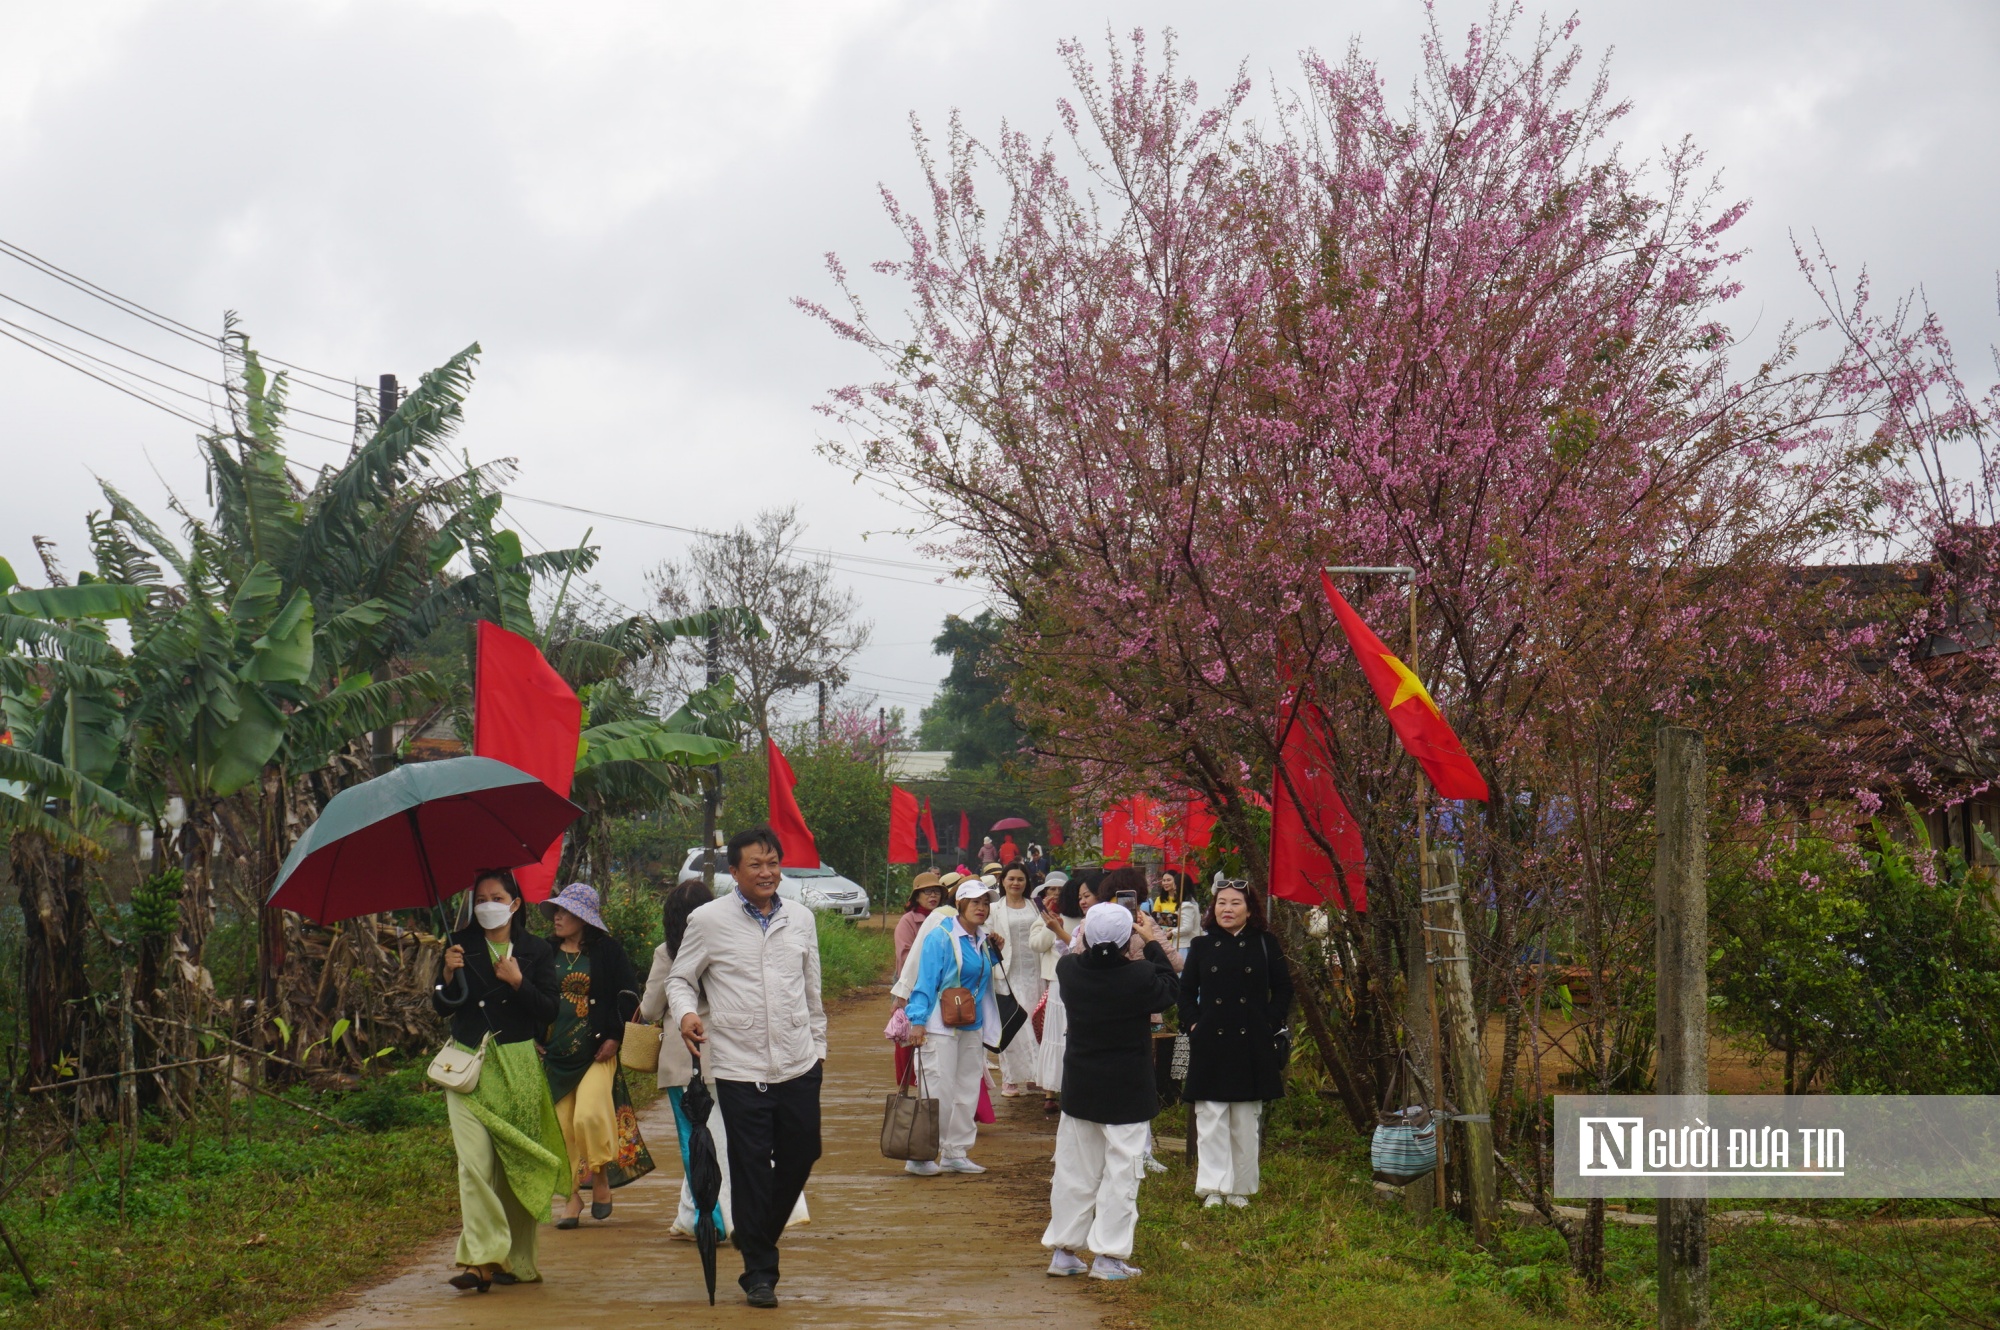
[1128,899]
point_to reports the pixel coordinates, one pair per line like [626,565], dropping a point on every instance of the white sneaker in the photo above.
[1064,1263]
[923,1168]
[1153,1165]
[1110,1267]
[960,1166]
[1240,1202]
[1211,1201]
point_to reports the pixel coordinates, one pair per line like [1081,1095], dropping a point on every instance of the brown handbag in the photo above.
[957,1008]
[910,1123]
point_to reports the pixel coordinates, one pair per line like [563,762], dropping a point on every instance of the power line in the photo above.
[172,411]
[164,322]
[836,555]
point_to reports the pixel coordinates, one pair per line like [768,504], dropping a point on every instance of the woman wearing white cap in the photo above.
[1109,1098]
[952,1018]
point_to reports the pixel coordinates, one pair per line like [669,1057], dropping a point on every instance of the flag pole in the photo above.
[1409,576]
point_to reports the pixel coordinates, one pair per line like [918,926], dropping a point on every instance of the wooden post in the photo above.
[1680,907]
[1463,1045]
[1418,1019]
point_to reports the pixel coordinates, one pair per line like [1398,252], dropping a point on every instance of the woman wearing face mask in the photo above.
[1235,1002]
[598,991]
[511,1157]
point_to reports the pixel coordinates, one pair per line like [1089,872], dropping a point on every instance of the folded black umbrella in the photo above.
[704,1173]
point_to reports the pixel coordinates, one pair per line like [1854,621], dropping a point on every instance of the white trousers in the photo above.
[1055,1036]
[1225,1137]
[1094,1196]
[949,1068]
[1021,1060]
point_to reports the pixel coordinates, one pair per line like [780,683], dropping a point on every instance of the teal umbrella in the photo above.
[388,843]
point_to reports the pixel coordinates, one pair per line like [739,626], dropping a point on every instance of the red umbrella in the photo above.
[414,837]
[1011,824]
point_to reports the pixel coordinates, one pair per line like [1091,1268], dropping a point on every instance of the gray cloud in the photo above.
[620,201]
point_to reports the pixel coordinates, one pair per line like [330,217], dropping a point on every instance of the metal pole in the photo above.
[711,800]
[1409,575]
[382,744]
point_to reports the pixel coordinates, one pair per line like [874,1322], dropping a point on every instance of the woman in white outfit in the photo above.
[1109,1096]
[1013,922]
[951,1054]
[677,1067]
[1062,914]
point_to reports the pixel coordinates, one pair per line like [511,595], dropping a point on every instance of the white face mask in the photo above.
[493,914]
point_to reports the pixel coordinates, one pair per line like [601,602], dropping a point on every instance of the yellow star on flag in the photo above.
[1408,686]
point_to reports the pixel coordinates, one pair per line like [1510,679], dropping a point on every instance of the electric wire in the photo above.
[698,531]
[163,322]
[117,368]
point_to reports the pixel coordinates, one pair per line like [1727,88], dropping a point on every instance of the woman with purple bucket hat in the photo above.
[598,992]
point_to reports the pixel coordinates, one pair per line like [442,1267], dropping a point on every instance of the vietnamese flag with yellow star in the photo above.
[1417,720]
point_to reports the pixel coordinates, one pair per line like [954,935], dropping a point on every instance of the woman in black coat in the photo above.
[500,980]
[1235,1003]
[1109,1097]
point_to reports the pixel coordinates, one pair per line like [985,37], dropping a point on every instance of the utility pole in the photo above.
[382,745]
[1474,1119]
[712,797]
[821,731]
[1680,909]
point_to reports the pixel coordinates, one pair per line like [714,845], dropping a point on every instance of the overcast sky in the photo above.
[618,200]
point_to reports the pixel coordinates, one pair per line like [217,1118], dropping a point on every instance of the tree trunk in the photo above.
[54,915]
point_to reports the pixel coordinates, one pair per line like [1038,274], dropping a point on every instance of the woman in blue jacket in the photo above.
[951,1058]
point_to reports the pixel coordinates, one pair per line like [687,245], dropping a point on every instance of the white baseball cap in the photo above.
[972,889]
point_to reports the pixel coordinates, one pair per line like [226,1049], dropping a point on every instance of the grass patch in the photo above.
[1318,1249]
[852,955]
[239,1236]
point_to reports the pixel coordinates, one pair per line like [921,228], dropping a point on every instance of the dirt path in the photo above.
[876,1253]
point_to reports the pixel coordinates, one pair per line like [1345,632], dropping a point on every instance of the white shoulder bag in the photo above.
[455,1069]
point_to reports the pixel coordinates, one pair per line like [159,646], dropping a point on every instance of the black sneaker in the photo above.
[763,1293]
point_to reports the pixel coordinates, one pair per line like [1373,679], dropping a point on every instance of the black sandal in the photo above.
[465,1281]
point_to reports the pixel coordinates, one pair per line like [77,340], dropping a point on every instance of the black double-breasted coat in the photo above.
[491,1005]
[1236,996]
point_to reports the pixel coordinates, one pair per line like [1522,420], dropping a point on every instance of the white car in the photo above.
[819,888]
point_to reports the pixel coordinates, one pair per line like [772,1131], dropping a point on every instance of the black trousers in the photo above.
[773,1143]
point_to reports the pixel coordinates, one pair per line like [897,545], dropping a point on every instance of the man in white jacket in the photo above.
[752,960]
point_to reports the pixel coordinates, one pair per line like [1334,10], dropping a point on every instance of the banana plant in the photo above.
[62,780]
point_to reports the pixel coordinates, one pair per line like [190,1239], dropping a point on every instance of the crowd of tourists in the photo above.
[1098,959]
[1011,982]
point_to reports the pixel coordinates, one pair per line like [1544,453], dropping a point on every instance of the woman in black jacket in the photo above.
[598,993]
[1235,1003]
[1109,1098]
[499,992]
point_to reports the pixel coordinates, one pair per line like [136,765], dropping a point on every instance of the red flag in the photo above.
[930,827]
[1115,829]
[1417,720]
[1190,828]
[523,714]
[786,819]
[902,826]
[964,832]
[1055,833]
[1300,869]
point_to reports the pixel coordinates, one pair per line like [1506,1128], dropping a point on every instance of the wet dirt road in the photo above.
[883,1249]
